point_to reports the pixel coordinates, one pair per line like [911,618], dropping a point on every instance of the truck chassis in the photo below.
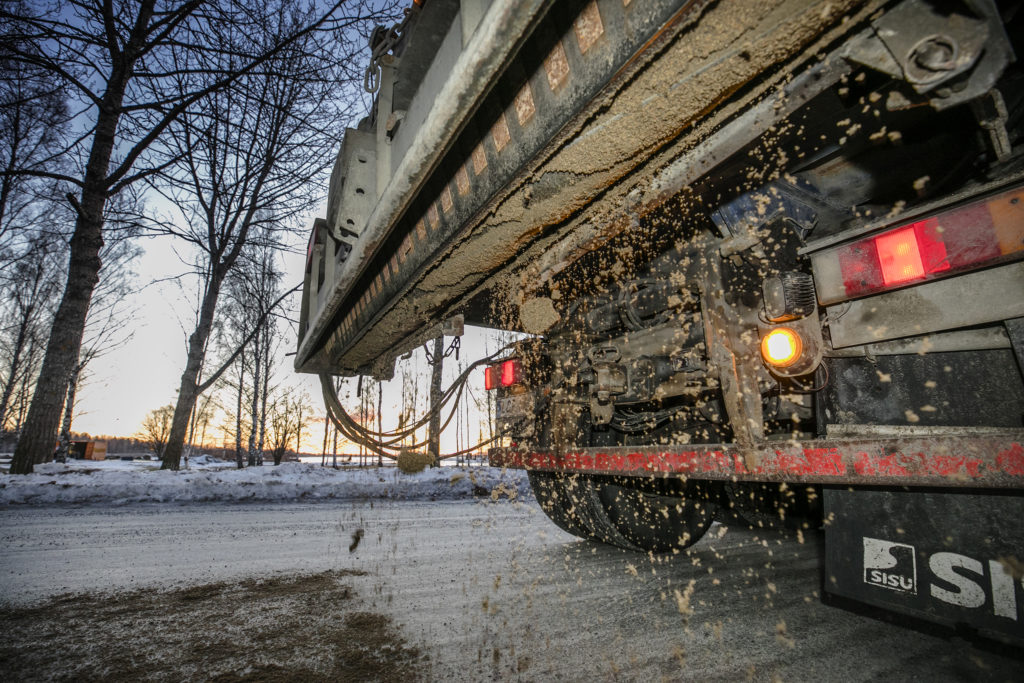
[768,256]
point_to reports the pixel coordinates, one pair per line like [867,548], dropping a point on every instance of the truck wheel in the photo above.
[656,523]
[620,515]
[558,496]
[574,503]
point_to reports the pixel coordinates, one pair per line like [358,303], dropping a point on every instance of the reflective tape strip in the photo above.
[991,460]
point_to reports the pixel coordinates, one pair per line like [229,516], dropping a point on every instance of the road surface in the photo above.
[495,591]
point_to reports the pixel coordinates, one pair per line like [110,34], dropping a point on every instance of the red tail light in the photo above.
[953,241]
[900,256]
[511,373]
[506,374]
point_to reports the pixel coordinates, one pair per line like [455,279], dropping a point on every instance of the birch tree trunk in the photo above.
[266,390]
[255,403]
[380,417]
[238,411]
[14,368]
[188,390]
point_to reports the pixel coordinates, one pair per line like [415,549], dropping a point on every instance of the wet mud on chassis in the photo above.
[652,405]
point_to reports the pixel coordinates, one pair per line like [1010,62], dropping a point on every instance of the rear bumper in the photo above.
[968,459]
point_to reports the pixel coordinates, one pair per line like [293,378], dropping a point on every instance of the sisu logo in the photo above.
[890,565]
[956,579]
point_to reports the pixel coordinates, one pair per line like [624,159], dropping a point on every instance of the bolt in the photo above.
[935,54]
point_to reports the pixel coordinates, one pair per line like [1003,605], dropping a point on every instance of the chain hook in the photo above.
[382,41]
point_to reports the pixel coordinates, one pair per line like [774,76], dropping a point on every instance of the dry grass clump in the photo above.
[411,462]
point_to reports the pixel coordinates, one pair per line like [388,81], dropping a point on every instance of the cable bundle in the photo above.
[386,444]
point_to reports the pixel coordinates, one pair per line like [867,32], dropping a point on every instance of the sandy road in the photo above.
[494,591]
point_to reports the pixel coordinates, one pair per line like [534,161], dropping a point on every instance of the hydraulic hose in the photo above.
[384,443]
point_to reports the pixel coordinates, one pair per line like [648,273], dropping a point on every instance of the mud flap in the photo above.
[956,559]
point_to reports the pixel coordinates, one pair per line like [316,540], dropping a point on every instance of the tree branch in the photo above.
[177,110]
[255,330]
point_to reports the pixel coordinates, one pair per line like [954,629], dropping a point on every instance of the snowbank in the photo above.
[119,483]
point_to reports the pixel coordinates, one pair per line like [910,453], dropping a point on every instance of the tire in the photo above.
[619,514]
[555,493]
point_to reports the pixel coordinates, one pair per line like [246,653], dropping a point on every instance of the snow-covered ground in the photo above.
[115,482]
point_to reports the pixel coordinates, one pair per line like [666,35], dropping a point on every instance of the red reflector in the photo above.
[510,373]
[490,378]
[861,270]
[899,256]
[933,249]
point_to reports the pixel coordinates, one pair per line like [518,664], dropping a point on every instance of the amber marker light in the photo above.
[781,347]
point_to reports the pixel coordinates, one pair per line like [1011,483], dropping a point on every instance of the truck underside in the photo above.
[768,256]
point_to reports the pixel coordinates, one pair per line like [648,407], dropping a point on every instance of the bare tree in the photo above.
[232,393]
[303,418]
[33,117]
[132,67]
[236,422]
[243,163]
[239,338]
[156,427]
[410,373]
[33,120]
[24,317]
[249,338]
[436,360]
[254,289]
[201,417]
[261,283]
[289,416]
[230,337]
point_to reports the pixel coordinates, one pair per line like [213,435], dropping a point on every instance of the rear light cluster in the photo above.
[505,374]
[953,241]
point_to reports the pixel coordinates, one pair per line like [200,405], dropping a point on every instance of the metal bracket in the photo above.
[609,380]
[394,120]
[454,326]
[737,363]
[930,50]
[991,113]
[604,353]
